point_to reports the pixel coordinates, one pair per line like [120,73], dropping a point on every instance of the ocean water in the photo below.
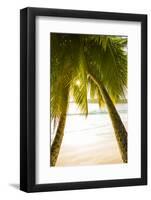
[97,121]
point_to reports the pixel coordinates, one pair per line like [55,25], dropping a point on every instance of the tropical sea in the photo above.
[90,140]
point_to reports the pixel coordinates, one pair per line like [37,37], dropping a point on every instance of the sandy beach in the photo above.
[91,140]
[95,149]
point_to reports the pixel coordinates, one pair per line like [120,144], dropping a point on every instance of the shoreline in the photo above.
[91,140]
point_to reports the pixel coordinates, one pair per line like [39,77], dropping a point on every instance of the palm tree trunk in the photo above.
[119,129]
[56,145]
[55,148]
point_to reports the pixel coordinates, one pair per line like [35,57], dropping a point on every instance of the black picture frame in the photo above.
[28,99]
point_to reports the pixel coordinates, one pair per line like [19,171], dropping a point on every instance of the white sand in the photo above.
[91,140]
[89,149]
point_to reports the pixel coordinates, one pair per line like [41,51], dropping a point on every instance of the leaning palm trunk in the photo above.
[119,129]
[56,145]
[55,148]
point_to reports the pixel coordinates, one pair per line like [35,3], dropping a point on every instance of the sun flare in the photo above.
[77,83]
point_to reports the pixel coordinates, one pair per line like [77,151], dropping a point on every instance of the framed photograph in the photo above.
[83,99]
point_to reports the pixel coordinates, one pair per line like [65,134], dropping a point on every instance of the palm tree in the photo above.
[67,68]
[98,62]
[107,70]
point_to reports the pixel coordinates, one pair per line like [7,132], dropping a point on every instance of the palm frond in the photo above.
[109,65]
[74,56]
